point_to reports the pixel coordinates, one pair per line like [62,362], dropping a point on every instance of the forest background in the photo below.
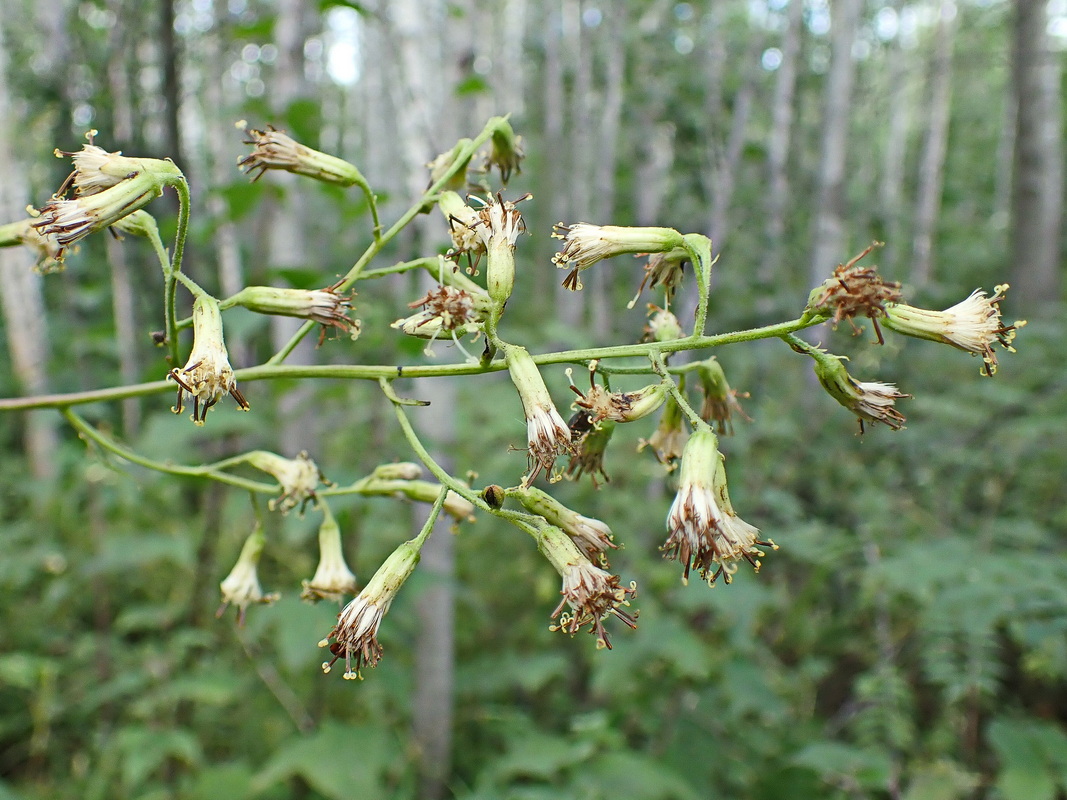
[908,640]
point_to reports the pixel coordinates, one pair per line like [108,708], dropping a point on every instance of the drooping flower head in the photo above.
[590,594]
[585,245]
[662,325]
[548,436]
[332,579]
[973,325]
[46,248]
[207,375]
[669,437]
[298,478]
[505,153]
[241,587]
[705,533]
[871,401]
[355,636]
[665,269]
[592,536]
[720,401]
[592,442]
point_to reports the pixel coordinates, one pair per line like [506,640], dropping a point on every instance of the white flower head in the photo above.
[207,375]
[241,587]
[332,579]
[590,593]
[547,434]
[298,478]
[973,325]
[355,636]
[275,149]
[585,244]
[705,533]
[872,401]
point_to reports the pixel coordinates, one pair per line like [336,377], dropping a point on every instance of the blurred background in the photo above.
[908,640]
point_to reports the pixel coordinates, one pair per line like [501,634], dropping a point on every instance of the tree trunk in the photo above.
[1037,187]
[935,146]
[20,294]
[778,141]
[829,231]
[891,189]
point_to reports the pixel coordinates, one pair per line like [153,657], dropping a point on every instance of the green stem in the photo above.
[427,527]
[380,372]
[372,201]
[204,471]
[170,326]
[171,275]
[375,247]
[659,366]
[699,249]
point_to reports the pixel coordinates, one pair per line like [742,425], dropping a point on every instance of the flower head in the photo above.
[355,636]
[326,306]
[548,436]
[275,149]
[592,442]
[298,478]
[592,536]
[46,248]
[872,401]
[463,223]
[585,244]
[332,579]
[498,227]
[590,593]
[720,401]
[663,269]
[855,291]
[973,325]
[506,153]
[207,375]
[603,404]
[662,326]
[241,587]
[669,437]
[446,162]
[705,533]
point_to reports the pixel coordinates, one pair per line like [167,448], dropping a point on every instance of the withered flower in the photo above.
[592,536]
[298,478]
[588,458]
[326,306]
[603,404]
[275,149]
[720,401]
[872,401]
[669,437]
[855,291]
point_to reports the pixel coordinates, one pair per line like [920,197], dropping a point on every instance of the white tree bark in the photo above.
[20,292]
[935,145]
[891,186]
[1037,187]
[829,236]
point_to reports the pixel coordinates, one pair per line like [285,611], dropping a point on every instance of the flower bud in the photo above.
[440,166]
[662,326]
[398,471]
[720,401]
[506,153]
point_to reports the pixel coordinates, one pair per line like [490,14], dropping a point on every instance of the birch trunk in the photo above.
[935,146]
[891,189]
[778,142]
[829,231]
[20,293]
[1037,188]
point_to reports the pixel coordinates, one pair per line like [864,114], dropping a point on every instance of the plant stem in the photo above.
[375,247]
[380,372]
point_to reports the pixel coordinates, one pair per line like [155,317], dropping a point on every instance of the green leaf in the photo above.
[145,749]
[339,761]
[867,767]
